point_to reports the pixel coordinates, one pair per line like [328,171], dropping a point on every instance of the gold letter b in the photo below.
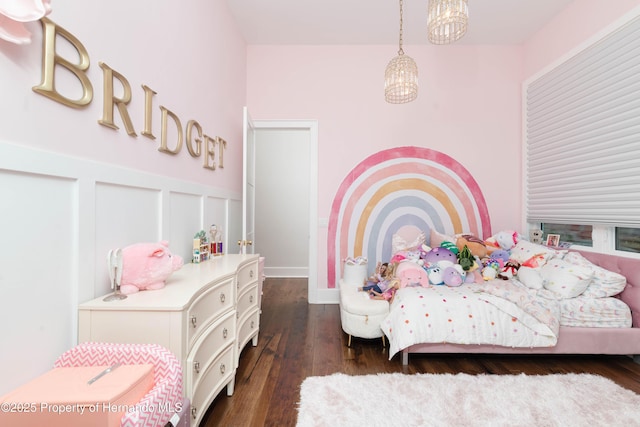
[50,59]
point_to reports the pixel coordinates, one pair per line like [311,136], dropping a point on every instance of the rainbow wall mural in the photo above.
[397,187]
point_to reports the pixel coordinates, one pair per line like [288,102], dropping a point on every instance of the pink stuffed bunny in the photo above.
[147,266]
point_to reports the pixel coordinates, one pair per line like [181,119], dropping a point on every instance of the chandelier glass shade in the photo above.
[401,80]
[447,20]
[401,76]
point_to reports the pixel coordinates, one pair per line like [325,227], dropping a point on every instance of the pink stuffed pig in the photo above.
[147,266]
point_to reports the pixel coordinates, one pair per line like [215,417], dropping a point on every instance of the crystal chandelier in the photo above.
[447,20]
[401,76]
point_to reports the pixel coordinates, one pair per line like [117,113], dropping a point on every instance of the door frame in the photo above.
[248,179]
[312,128]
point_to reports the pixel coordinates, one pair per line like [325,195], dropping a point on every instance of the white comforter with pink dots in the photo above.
[495,312]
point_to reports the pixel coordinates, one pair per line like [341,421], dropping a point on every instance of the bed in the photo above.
[507,316]
[428,192]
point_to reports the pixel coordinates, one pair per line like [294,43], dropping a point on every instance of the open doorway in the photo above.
[286,183]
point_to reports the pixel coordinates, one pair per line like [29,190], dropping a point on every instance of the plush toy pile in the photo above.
[459,259]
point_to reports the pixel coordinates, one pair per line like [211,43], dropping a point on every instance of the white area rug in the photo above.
[466,400]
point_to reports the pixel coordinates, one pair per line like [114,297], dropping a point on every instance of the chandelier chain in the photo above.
[400,51]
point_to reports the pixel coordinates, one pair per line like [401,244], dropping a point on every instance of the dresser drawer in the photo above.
[248,328]
[247,300]
[214,340]
[219,373]
[207,307]
[247,274]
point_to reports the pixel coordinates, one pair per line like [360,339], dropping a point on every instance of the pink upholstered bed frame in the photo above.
[573,340]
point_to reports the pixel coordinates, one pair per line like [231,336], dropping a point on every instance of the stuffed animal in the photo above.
[473,243]
[413,256]
[501,256]
[452,277]
[466,259]
[489,273]
[441,257]
[147,266]
[505,240]
[451,246]
[491,269]
[398,256]
[424,250]
[509,270]
[466,278]
[411,274]
[434,273]
[471,265]
[535,236]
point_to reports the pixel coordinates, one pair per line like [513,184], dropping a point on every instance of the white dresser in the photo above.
[205,315]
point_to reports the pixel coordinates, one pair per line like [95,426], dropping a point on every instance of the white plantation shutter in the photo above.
[583,136]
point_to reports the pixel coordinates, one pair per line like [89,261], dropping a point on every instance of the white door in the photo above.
[248,184]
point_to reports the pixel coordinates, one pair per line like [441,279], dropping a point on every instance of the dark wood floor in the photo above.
[298,340]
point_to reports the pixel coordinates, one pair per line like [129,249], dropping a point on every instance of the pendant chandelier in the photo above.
[401,76]
[447,20]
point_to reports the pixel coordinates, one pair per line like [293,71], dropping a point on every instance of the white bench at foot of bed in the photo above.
[359,314]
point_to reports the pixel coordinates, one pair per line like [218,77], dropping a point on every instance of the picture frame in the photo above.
[553,239]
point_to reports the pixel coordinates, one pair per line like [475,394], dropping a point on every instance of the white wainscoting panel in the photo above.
[59,217]
[37,278]
[124,215]
[186,219]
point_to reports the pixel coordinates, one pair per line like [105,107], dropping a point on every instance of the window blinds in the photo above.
[583,136]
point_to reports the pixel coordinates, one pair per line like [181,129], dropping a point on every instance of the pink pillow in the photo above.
[408,238]
[437,238]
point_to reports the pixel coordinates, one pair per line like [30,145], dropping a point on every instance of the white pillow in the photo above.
[532,254]
[530,277]
[605,283]
[564,279]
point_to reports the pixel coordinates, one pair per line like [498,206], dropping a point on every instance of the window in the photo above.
[582,144]
[602,239]
[574,234]
[628,239]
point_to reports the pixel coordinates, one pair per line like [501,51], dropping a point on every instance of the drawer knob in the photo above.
[222,297]
[194,412]
[196,367]
[251,299]
[194,321]
[225,332]
[253,324]
[223,368]
[251,273]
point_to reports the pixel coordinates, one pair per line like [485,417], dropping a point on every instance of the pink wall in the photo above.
[580,21]
[468,108]
[190,53]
